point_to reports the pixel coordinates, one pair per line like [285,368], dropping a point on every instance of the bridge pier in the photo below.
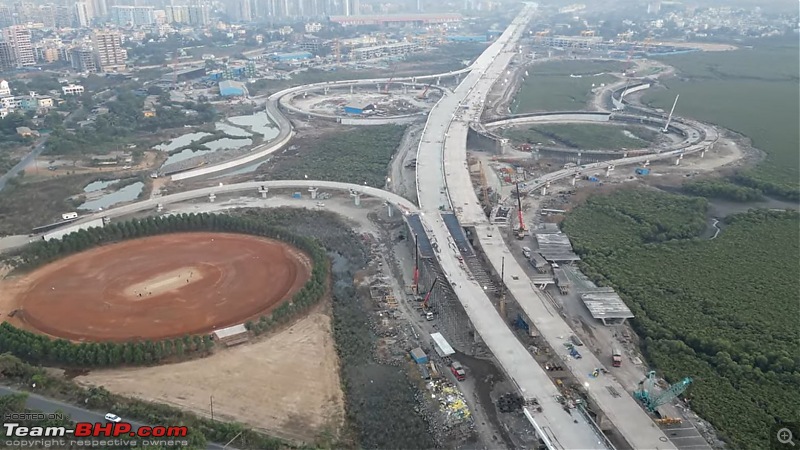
[351,88]
[647,163]
[356,197]
[211,197]
[578,162]
[313,192]
[574,179]
[544,190]
[159,207]
[389,209]
[378,86]
[608,170]
[263,191]
[438,81]
[703,153]
[325,90]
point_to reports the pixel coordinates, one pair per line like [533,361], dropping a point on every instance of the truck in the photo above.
[616,356]
[458,371]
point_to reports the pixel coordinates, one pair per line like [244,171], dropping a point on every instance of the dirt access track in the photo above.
[157,287]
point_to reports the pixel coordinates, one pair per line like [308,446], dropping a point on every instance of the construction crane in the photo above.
[425,91]
[653,401]
[386,88]
[428,295]
[521,229]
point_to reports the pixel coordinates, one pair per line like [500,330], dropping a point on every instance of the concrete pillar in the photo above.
[647,163]
[677,161]
[159,207]
[211,197]
[574,179]
[389,209]
[325,90]
[703,153]
[313,192]
[579,159]
[438,81]
[378,86]
[544,190]
[414,80]
[263,191]
[356,198]
[405,89]
[351,88]
[625,155]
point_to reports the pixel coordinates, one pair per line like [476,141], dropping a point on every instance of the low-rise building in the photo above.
[72,89]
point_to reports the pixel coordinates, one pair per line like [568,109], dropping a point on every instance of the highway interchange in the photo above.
[443,183]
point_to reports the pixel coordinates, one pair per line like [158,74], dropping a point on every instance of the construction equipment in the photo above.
[424,91]
[386,87]
[425,307]
[669,421]
[616,356]
[653,401]
[521,229]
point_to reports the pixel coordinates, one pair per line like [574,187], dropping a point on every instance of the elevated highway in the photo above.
[252,187]
[635,426]
[445,135]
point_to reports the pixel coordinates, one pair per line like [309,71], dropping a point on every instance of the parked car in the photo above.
[112,418]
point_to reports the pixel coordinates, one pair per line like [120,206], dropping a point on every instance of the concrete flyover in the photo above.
[690,134]
[442,150]
[253,187]
[627,416]
[286,130]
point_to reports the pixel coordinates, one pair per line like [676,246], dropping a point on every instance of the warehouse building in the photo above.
[230,88]
[285,57]
[382,51]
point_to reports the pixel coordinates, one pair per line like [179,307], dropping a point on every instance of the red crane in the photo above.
[428,295]
[521,230]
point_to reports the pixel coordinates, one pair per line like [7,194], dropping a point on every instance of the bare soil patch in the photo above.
[286,384]
[157,287]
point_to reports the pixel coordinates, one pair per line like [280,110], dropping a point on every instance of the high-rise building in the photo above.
[6,16]
[198,14]
[83,14]
[109,51]
[132,15]
[6,56]
[239,10]
[83,59]
[19,38]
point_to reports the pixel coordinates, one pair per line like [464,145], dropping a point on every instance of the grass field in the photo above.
[753,91]
[356,155]
[549,86]
[589,135]
[723,311]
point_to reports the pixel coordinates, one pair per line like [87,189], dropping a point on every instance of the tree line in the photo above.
[42,349]
[722,310]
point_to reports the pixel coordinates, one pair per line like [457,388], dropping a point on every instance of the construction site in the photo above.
[377,101]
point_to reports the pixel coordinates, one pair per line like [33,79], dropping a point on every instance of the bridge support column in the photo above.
[678,161]
[325,90]
[389,209]
[356,197]
[544,190]
[159,207]
[438,81]
[211,198]
[263,191]
[647,163]
[378,86]
[458,79]
[703,153]
[351,88]
[313,192]
[574,179]
[578,162]
[608,170]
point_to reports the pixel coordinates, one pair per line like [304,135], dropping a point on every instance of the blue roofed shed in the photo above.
[229,88]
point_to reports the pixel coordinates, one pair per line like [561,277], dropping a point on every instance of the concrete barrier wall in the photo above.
[549,117]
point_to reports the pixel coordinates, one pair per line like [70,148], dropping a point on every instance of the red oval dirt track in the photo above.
[162,286]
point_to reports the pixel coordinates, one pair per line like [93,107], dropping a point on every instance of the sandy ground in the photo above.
[156,287]
[286,384]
